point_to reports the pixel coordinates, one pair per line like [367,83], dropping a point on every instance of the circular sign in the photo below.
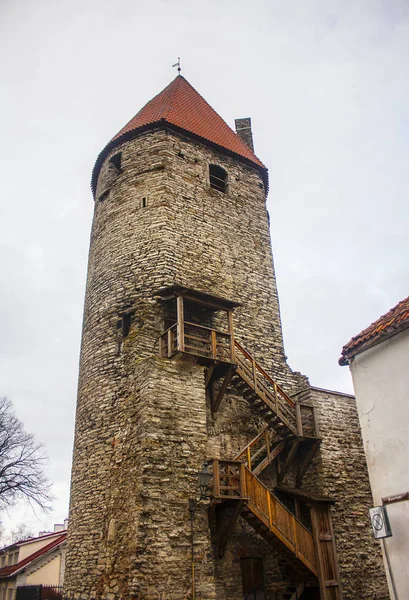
[377,521]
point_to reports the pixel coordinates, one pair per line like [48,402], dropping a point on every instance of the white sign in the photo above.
[380,522]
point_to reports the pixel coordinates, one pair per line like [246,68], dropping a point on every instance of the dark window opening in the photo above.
[144,202]
[252,578]
[218,178]
[104,195]
[116,161]
[126,324]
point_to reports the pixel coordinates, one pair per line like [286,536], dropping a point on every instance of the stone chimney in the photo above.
[243,130]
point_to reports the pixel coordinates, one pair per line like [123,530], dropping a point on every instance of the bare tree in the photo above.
[20,533]
[21,463]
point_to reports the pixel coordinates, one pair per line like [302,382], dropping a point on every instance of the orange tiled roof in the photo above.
[392,322]
[181,106]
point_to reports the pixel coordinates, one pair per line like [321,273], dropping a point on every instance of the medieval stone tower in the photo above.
[183,368]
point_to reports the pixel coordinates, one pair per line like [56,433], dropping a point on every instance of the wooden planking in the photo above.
[329,577]
[280,521]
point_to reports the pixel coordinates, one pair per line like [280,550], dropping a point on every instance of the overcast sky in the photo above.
[326,84]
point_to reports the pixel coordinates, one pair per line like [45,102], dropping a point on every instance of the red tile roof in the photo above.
[181,107]
[12,569]
[392,322]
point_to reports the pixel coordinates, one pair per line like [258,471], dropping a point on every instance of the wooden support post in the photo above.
[222,391]
[297,508]
[298,419]
[270,513]
[316,428]
[216,478]
[254,374]
[181,324]
[288,460]
[266,432]
[248,458]
[243,488]
[213,343]
[170,342]
[294,524]
[308,456]
[209,373]
[231,332]
[276,396]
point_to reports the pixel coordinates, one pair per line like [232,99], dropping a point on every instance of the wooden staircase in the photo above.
[233,482]
[289,426]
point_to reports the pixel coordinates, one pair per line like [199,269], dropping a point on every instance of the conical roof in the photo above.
[180,107]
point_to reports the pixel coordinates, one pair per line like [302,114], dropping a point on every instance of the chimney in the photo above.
[243,130]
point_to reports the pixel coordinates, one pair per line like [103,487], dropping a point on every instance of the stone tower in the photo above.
[182,365]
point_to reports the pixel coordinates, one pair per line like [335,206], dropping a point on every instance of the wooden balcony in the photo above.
[198,340]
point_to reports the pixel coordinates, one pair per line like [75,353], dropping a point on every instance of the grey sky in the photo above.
[326,84]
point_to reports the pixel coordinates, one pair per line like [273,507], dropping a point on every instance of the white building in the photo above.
[379,362]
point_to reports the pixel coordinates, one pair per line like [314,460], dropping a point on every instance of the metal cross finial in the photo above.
[178,65]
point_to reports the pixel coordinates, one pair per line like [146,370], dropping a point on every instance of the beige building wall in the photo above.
[31,547]
[381,383]
[49,574]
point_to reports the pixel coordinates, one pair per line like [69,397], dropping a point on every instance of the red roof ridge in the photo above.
[392,322]
[10,570]
[180,107]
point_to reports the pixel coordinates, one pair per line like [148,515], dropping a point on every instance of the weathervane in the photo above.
[178,65]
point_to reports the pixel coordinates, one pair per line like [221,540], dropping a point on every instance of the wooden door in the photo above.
[328,570]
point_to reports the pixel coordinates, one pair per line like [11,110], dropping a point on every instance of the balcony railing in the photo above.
[198,340]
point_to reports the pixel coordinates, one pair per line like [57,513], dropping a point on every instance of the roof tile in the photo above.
[393,320]
[181,105]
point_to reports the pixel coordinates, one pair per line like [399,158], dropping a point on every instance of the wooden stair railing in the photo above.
[261,451]
[245,373]
[264,394]
[232,481]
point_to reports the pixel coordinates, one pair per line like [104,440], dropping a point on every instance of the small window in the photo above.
[218,178]
[104,195]
[116,161]
[126,324]
[144,202]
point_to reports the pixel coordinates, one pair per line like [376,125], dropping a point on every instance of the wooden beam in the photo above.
[209,373]
[269,459]
[288,460]
[306,462]
[181,324]
[222,390]
[227,531]
[298,419]
[231,331]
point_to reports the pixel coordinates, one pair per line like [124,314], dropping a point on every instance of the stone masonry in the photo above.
[143,424]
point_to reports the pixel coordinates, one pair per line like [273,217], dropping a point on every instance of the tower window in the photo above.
[144,202]
[218,178]
[116,161]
